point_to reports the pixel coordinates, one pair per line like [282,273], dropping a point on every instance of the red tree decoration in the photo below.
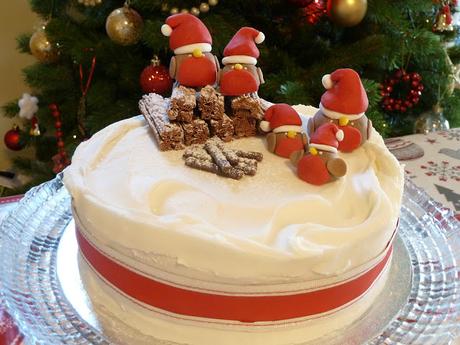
[401,91]
[13,140]
[314,11]
[155,78]
[60,159]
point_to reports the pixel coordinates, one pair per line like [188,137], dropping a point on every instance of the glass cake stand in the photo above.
[43,291]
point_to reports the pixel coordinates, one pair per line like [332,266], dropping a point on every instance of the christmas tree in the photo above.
[91,55]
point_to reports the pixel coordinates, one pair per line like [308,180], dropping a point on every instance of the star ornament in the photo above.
[28,106]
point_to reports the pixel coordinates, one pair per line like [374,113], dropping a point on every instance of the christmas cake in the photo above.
[220,218]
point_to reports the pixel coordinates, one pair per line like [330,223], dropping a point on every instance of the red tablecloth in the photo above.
[432,161]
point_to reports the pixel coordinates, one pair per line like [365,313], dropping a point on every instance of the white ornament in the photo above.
[28,106]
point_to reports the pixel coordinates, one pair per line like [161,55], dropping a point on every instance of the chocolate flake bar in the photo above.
[169,136]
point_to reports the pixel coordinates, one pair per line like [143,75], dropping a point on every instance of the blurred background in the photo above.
[15,17]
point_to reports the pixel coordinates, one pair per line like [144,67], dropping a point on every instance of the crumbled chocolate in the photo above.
[211,104]
[182,105]
[248,105]
[222,128]
[244,125]
[176,122]
[195,132]
[246,111]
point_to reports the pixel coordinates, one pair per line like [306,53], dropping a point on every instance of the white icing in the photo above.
[271,228]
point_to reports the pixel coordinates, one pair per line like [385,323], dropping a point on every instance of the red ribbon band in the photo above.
[224,307]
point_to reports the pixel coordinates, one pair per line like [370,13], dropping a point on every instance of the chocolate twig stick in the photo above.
[219,158]
[198,152]
[258,156]
[201,164]
[248,166]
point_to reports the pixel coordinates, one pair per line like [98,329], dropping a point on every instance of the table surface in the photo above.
[432,161]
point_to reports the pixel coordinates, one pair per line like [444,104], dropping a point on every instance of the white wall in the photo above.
[15,18]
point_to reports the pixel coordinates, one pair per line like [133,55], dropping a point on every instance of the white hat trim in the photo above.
[249,60]
[324,147]
[166,30]
[288,128]
[336,115]
[189,48]
[259,38]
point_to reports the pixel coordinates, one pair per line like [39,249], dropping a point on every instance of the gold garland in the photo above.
[203,8]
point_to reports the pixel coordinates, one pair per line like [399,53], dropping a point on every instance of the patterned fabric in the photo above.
[432,161]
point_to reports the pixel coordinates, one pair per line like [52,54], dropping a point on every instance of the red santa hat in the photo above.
[242,47]
[281,118]
[186,33]
[345,95]
[327,137]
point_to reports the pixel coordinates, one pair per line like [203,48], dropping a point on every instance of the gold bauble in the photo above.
[174,10]
[184,10]
[90,3]
[204,7]
[41,47]
[347,12]
[213,2]
[124,26]
[442,23]
[195,11]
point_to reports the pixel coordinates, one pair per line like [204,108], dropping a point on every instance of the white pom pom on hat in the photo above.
[265,126]
[327,81]
[166,30]
[339,135]
[259,38]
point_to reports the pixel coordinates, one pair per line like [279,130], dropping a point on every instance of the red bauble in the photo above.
[155,78]
[314,11]
[13,140]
